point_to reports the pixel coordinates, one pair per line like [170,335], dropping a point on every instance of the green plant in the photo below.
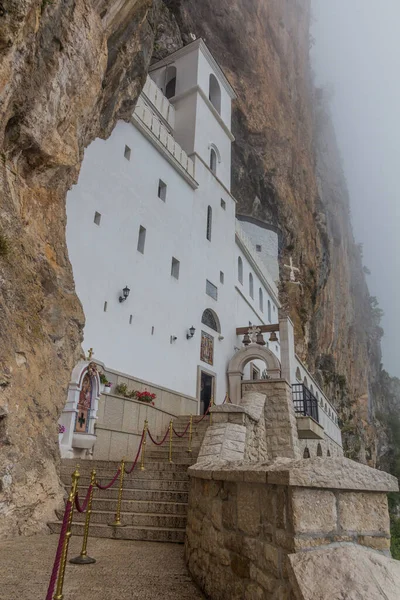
[103,378]
[122,389]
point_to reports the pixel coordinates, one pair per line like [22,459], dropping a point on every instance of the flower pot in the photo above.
[102,386]
[107,389]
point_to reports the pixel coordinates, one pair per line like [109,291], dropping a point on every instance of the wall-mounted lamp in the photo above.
[172,339]
[125,294]
[221,337]
[190,333]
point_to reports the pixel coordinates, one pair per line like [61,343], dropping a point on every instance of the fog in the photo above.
[357,52]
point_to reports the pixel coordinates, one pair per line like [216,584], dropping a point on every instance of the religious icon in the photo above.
[207,348]
[84,405]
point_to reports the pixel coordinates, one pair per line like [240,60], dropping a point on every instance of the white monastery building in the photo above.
[164,267]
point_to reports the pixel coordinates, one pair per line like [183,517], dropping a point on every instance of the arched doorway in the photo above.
[206,376]
[241,359]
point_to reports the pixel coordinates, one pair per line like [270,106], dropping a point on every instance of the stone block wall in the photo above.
[280,418]
[244,522]
[120,420]
[328,447]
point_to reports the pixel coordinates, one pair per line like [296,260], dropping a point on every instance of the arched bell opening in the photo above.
[238,363]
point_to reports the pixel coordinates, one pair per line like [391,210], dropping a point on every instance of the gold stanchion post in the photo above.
[170,441]
[190,433]
[63,562]
[212,404]
[83,558]
[117,522]
[146,425]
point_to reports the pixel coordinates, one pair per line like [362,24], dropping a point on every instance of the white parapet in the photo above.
[159,101]
[152,122]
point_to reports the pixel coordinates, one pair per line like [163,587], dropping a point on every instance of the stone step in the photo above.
[178,485]
[86,467]
[130,518]
[104,478]
[132,532]
[170,507]
[140,495]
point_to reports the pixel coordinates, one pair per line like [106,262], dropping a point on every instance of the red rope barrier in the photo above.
[204,416]
[180,435]
[137,456]
[82,508]
[60,546]
[162,441]
[109,485]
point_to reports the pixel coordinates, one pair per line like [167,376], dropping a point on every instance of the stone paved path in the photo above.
[131,570]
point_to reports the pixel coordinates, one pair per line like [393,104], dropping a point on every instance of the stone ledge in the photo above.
[325,473]
[349,572]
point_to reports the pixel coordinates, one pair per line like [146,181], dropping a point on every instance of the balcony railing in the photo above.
[305,403]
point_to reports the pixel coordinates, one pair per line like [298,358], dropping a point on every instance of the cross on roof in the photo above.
[90,353]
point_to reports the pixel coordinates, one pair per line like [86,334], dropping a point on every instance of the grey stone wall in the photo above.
[245,522]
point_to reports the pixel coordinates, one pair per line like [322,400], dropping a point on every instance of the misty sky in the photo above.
[357,51]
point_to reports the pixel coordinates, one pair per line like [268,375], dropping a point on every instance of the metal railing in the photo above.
[305,403]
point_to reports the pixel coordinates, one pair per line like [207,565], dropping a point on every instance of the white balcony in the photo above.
[162,105]
[159,135]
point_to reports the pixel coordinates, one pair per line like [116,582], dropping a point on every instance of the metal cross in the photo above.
[90,353]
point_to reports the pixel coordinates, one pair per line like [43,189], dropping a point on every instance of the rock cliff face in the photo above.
[287,171]
[69,69]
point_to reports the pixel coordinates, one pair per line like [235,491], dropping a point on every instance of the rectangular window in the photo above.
[221,277]
[175,268]
[130,319]
[141,239]
[105,307]
[97,218]
[223,204]
[258,248]
[211,290]
[162,190]
[127,153]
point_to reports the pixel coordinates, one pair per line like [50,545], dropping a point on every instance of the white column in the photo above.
[288,357]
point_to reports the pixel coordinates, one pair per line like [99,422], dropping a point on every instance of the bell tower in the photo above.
[195,85]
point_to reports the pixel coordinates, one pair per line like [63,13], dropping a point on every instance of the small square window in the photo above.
[258,247]
[211,290]
[97,218]
[223,204]
[127,153]
[175,268]
[141,239]
[221,277]
[162,190]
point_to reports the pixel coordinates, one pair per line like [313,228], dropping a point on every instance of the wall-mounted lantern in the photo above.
[190,333]
[125,294]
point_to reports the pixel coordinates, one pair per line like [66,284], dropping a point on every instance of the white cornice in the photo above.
[198,44]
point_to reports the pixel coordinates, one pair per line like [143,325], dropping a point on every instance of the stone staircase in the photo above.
[154,501]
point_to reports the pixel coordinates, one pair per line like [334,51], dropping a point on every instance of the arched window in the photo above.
[215,93]
[251,285]
[306,453]
[319,450]
[209,223]
[240,270]
[269,311]
[210,319]
[305,382]
[261,299]
[298,374]
[213,161]
[312,389]
[170,82]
